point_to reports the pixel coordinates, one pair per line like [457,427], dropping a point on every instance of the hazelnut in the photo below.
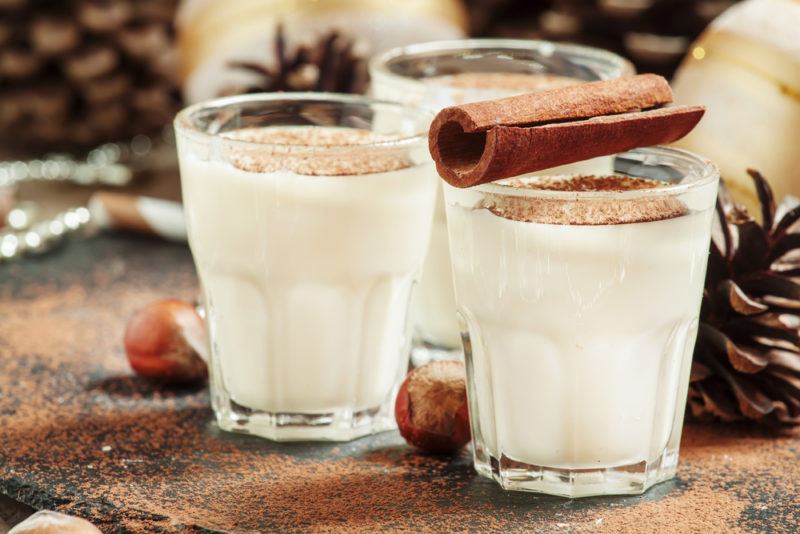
[431,408]
[166,342]
[46,522]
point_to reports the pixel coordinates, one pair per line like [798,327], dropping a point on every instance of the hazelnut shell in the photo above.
[428,439]
[166,342]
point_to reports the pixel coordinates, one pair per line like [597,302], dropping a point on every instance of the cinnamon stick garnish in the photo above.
[486,141]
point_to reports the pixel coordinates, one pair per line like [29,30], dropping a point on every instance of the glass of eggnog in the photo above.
[447,73]
[308,217]
[578,298]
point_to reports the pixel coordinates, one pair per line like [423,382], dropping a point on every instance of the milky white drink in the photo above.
[581,318]
[434,304]
[434,301]
[307,264]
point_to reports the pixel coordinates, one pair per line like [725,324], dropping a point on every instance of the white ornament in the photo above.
[745,69]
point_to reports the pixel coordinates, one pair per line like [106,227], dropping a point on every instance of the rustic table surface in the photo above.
[80,434]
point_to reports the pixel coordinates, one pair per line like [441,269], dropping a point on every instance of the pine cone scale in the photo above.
[771,284]
[753,247]
[766,199]
[787,222]
[738,301]
[784,245]
[713,397]
[784,358]
[753,403]
[742,360]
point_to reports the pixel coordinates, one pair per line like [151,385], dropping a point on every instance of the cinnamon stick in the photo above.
[487,141]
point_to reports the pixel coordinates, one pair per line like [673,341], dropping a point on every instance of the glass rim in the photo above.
[184,124]
[378,65]
[708,174]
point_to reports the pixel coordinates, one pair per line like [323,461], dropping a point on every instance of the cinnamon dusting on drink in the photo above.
[584,211]
[611,184]
[294,149]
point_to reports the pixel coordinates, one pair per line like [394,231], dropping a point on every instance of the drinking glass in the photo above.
[308,217]
[446,73]
[579,312]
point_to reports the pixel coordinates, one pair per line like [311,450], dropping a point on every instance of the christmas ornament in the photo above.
[214,34]
[76,73]
[746,70]
[747,358]
[23,231]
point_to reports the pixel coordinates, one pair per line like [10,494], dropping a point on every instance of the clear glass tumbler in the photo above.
[440,74]
[579,311]
[309,217]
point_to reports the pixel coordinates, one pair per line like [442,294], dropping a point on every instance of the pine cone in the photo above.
[747,359]
[76,73]
[330,64]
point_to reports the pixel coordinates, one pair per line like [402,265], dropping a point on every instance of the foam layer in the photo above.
[293,149]
[584,211]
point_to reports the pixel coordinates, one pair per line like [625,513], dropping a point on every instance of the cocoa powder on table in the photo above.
[78,433]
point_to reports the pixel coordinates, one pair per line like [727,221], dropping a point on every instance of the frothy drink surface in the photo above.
[584,211]
[291,148]
[589,184]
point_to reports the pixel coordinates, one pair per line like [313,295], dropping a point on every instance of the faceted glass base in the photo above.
[632,479]
[342,425]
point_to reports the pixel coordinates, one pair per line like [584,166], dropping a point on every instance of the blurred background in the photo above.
[76,75]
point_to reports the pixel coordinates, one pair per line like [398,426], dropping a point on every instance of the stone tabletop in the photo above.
[80,434]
